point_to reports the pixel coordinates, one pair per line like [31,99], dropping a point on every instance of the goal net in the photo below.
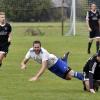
[75,15]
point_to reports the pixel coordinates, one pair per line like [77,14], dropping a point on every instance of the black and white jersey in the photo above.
[93,18]
[4,33]
[92,66]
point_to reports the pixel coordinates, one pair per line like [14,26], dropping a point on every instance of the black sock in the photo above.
[89,47]
[0,64]
[97,45]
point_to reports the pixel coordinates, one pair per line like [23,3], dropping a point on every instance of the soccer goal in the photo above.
[75,14]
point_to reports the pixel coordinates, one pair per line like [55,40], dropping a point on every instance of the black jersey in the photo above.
[93,18]
[4,33]
[93,66]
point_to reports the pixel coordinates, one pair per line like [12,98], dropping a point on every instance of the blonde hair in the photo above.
[2,13]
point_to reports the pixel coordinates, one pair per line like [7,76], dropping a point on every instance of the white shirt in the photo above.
[44,55]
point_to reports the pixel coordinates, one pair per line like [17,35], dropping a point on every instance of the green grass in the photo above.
[14,84]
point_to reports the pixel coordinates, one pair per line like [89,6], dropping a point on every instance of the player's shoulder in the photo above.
[31,50]
[43,49]
[8,24]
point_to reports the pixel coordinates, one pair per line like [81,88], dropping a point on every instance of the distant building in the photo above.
[57,9]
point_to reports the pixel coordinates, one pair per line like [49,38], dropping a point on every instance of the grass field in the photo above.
[14,84]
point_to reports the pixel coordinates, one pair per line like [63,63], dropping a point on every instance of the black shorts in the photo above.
[94,34]
[4,47]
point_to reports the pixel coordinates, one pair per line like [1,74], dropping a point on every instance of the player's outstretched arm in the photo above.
[23,63]
[40,72]
[91,82]
[87,21]
[10,37]
[99,24]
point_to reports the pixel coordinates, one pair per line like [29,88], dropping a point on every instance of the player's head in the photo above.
[98,56]
[37,46]
[2,17]
[93,6]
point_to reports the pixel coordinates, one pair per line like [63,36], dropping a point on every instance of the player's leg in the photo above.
[96,85]
[74,74]
[62,70]
[87,85]
[89,45]
[91,37]
[97,42]
[2,55]
[3,52]
[65,57]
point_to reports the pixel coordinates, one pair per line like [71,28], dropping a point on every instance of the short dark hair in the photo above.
[92,4]
[37,42]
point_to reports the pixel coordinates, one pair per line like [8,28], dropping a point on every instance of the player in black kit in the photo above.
[91,72]
[5,36]
[93,23]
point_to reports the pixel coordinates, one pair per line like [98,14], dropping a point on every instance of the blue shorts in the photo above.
[60,68]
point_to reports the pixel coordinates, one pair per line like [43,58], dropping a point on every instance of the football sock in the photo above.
[78,75]
[97,45]
[89,47]
[0,64]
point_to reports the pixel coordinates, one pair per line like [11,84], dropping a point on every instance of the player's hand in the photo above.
[92,91]
[33,79]
[89,29]
[9,39]
[23,66]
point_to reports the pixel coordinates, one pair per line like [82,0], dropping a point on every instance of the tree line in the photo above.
[26,10]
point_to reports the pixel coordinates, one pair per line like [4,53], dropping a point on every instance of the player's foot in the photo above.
[65,57]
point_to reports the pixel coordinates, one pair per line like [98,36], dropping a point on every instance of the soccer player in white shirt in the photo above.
[50,62]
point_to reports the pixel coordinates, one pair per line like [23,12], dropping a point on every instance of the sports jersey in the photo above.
[42,56]
[91,70]
[93,18]
[92,66]
[4,34]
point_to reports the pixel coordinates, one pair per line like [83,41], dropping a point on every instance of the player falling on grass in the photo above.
[49,61]
[93,23]
[91,72]
[5,36]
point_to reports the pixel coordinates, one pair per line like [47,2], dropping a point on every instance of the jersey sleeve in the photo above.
[28,55]
[10,28]
[87,16]
[99,15]
[92,66]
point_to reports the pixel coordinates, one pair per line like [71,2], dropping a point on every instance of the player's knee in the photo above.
[86,84]
[68,77]
[1,57]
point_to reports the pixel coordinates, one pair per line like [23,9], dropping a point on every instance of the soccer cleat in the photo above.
[65,57]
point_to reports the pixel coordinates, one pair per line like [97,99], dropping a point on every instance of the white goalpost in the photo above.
[72,29]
